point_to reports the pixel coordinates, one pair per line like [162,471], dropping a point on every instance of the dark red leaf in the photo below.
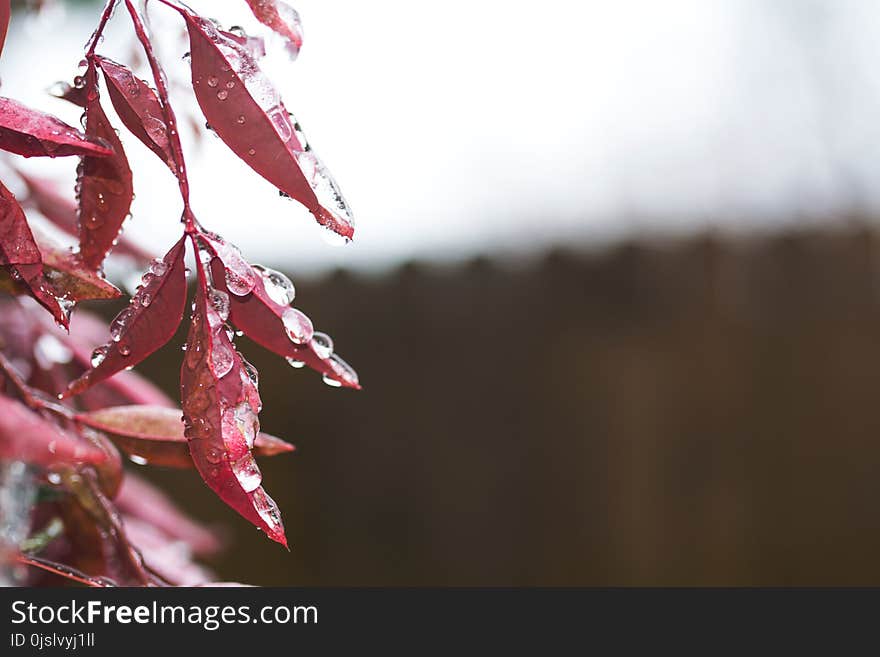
[141,499]
[29,132]
[283,19]
[67,275]
[20,254]
[246,112]
[105,185]
[5,14]
[138,107]
[155,434]
[63,212]
[260,307]
[220,407]
[145,325]
[25,436]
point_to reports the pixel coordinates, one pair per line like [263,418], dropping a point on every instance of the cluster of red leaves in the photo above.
[70,410]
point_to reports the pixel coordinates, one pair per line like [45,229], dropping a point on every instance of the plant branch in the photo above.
[99,31]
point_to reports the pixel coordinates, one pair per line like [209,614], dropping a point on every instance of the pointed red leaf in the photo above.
[19,252]
[5,15]
[246,112]
[138,107]
[260,307]
[25,436]
[154,434]
[148,322]
[220,407]
[105,185]
[62,211]
[281,18]
[67,275]
[32,133]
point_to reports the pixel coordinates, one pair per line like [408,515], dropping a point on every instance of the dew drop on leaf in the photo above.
[248,473]
[295,364]
[298,327]
[322,344]
[279,288]
[98,355]
[222,359]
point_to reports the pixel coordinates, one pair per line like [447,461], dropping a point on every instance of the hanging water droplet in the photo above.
[298,327]
[248,473]
[342,372]
[79,82]
[139,460]
[222,359]
[295,364]
[322,344]
[279,288]
[252,374]
[220,303]
[333,383]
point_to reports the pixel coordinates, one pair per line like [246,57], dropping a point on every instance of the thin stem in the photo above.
[63,571]
[170,120]
[99,31]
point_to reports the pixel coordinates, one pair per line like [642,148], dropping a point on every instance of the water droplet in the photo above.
[298,327]
[279,288]
[322,344]
[92,221]
[241,119]
[222,358]
[146,300]
[251,152]
[222,94]
[214,455]
[125,349]
[213,81]
[158,267]
[281,122]
[98,355]
[237,284]
[139,460]
[325,188]
[220,303]
[295,364]
[120,322]
[333,383]
[248,473]
[79,82]
[230,84]
[342,373]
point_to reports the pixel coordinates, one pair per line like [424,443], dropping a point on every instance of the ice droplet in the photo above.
[279,288]
[322,344]
[298,326]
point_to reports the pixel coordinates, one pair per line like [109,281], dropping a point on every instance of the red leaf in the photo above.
[25,436]
[283,19]
[5,14]
[246,112]
[138,106]
[19,252]
[148,322]
[105,185]
[62,211]
[30,132]
[67,275]
[259,306]
[155,434]
[220,407]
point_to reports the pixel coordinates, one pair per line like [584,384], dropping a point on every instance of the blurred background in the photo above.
[614,295]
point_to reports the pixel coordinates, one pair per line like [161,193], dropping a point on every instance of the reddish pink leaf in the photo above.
[283,19]
[32,133]
[162,554]
[259,306]
[67,275]
[138,106]
[5,14]
[155,434]
[246,112]
[148,322]
[141,499]
[19,252]
[62,211]
[25,436]
[105,184]
[220,407]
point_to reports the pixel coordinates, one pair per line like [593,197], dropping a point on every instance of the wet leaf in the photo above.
[5,14]
[281,18]
[246,112]
[220,407]
[155,434]
[32,133]
[62,211]
[105,185]
[26,436]
[138,107]
[20,254]
[148,322]
[265,316]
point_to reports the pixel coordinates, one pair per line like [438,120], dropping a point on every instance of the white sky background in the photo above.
[504,126]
